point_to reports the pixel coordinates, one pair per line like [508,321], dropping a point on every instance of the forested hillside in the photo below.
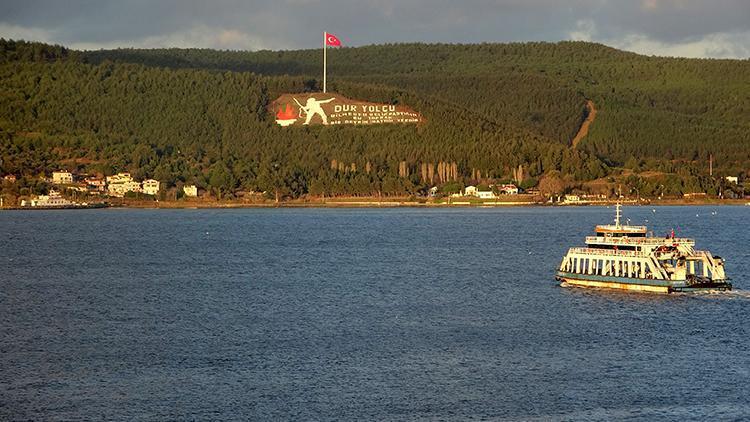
[200,116]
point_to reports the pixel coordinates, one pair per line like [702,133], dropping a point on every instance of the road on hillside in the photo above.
[584,129]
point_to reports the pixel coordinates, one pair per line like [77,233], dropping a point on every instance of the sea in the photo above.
[358,314]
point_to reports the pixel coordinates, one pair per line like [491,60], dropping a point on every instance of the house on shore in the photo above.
[62,177]
[151,187]
[191,191]
[508,189]
[121,183]
[95,185]
[470,191]
[486,194]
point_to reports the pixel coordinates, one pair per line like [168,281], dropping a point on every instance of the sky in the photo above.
[685,28]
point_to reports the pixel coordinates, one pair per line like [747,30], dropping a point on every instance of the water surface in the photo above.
[392,314]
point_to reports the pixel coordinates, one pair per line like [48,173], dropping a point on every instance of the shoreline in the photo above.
[390,203]
[403,202]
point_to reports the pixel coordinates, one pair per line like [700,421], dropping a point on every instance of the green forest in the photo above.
[494,113]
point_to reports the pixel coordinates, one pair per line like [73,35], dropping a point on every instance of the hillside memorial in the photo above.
[333,109]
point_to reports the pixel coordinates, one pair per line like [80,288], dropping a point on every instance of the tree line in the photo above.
[202,117]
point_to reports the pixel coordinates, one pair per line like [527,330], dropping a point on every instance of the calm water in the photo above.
[401,314]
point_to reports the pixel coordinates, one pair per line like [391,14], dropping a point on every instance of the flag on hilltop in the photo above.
[332,40]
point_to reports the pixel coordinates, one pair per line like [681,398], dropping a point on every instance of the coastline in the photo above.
[405,203]
[390,202]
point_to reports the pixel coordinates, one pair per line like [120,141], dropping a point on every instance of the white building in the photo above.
[95,185]
[732,179]
[572,199]
[62,177]
[509,189]
[191,191]
[119,178]
[120,189]
[121,183]
[470,191]
[151,187]
[482,194]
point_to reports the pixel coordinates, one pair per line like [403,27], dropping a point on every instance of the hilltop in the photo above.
[498,112]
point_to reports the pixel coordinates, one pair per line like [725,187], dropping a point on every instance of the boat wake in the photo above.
[729,294]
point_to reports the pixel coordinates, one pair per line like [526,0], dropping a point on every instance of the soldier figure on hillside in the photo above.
[312,107]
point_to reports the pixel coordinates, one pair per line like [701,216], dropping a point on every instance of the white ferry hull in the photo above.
[637,284]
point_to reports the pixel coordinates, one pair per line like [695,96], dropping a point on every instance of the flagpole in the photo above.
[325,59]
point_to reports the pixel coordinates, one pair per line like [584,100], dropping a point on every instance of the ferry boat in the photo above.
[53,200]
[627,257]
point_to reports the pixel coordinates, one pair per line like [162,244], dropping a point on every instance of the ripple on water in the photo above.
[386,314]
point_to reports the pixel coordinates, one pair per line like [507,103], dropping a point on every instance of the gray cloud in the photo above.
[695,28]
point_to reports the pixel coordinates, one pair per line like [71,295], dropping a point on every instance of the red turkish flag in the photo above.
[332,40]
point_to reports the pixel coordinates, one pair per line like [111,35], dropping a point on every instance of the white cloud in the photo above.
[585,31]
[15,32]
[200,36]
[719,45]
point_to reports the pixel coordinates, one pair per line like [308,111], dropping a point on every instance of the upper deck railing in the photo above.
[607,252]
[620,228]
[648,241]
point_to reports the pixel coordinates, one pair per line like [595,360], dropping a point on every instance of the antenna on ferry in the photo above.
[618,214]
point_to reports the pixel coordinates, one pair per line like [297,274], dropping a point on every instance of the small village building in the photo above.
[191,191]
[509,189]
[133,187]
[95,184]
[470,191]
[151,187]
[572,199]
[732,179]
[119,178]
[121,183]
[486,194]
[62,177]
